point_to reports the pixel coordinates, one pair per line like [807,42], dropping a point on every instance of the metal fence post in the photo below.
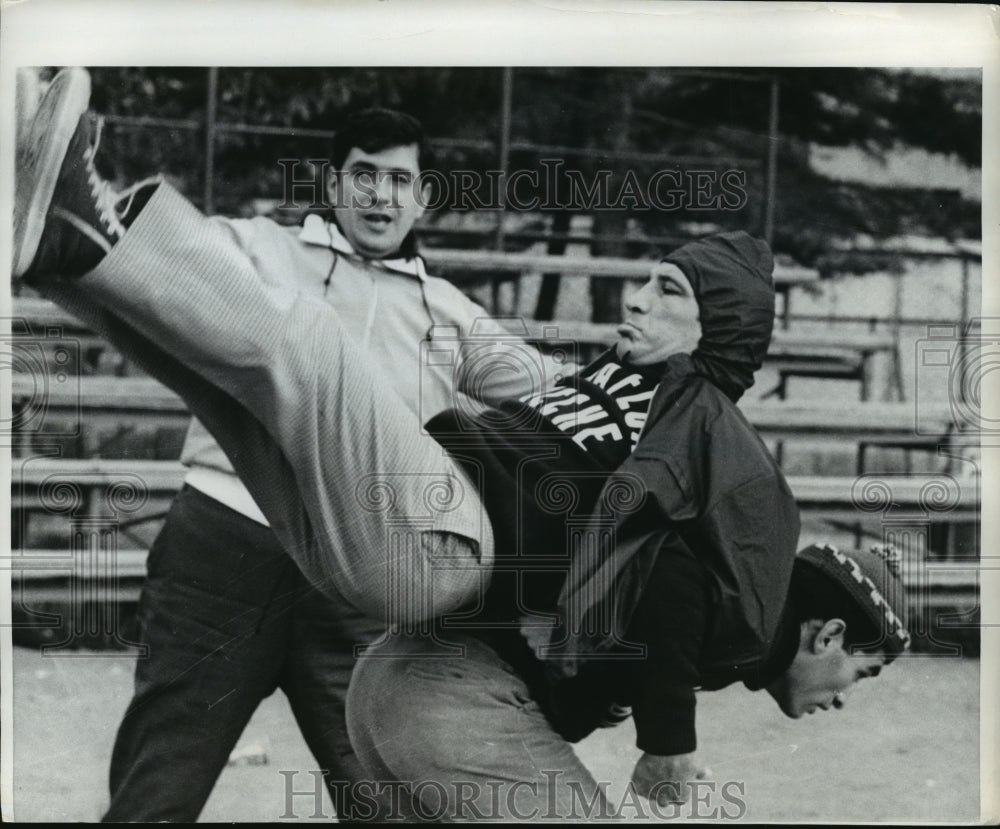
[507,81]
[211,117]
[964,316]
[772,164]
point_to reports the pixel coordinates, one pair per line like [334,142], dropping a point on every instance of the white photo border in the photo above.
[518,33]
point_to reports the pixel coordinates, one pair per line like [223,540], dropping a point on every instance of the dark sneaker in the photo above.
[40,157]
[65,216]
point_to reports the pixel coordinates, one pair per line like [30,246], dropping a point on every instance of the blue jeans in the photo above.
[464,734]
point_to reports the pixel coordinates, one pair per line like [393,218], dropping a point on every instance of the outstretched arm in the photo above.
[671,621]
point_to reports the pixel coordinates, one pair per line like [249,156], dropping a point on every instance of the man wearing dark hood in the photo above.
[644,542]
[645,549]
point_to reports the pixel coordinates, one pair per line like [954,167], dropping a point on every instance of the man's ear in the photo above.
[424,197]
[829,636]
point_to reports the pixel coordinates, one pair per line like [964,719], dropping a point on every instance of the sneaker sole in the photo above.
[48,137]
[28,94]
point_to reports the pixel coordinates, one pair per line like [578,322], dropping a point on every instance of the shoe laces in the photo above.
[105,199]
[128,196]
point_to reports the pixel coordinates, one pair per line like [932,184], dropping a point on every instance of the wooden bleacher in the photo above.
[792,353]
[116,397]
[825,354]
[101,400]
[835,359]
[826,495]
[42,576]
[91,403]
[830,497]
[460,265]
[833,498]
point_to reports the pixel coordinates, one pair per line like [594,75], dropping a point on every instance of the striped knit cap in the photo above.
[872,581]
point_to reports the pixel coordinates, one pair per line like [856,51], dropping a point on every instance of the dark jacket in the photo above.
[671,573]
[713,494]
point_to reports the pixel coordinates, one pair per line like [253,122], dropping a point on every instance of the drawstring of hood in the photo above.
[372,311]
[408,249]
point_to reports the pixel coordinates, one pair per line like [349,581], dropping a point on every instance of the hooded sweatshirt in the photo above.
[692,590]
[664,550]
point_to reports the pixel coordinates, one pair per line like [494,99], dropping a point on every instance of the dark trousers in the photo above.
[228,618]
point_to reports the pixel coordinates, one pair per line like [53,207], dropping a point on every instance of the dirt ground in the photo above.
[905,749]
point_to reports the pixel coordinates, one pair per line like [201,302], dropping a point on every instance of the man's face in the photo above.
[661,318]
[822,672]
[375,199]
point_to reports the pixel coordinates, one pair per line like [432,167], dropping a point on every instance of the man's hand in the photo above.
[666,779]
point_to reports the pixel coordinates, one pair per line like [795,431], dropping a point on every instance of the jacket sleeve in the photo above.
[722,584]
[670,620]
[728,501]
[495,365]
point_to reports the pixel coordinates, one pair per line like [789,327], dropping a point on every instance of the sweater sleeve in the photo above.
[671,620]
[494,365]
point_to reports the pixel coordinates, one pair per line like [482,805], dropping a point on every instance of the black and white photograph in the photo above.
[530,413]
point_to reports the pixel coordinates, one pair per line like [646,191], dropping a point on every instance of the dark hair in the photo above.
[374,130]
[816,596]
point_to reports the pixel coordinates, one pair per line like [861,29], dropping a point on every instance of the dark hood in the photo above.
[731,274]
